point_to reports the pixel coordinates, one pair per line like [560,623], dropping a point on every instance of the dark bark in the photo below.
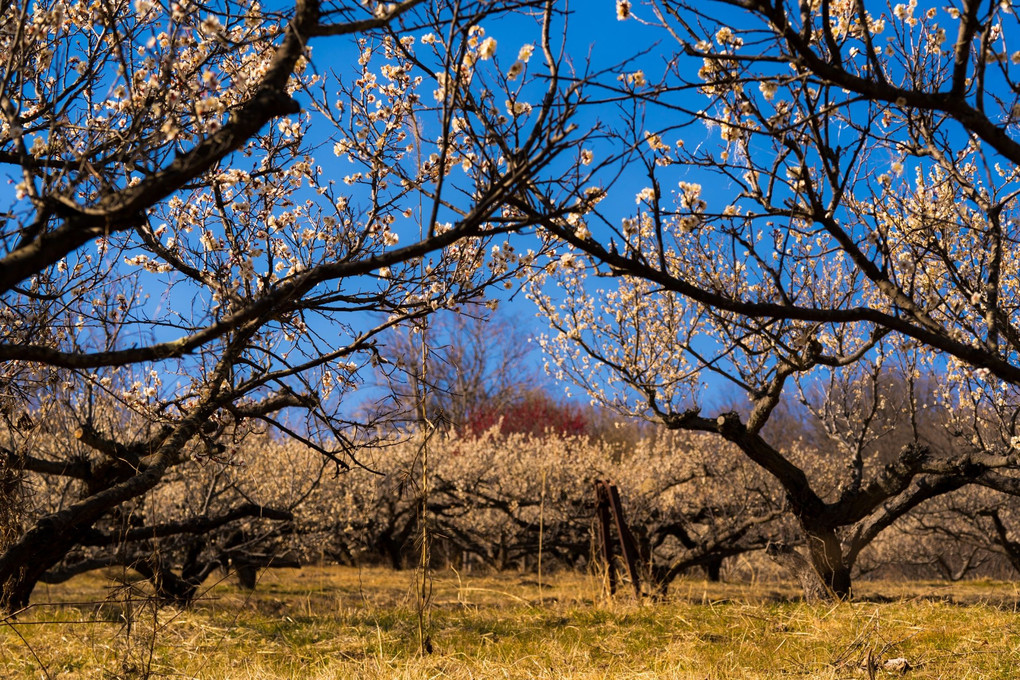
[713,569]
[171,587]
[247,575]
[393,549]
[1010,548]
[10,496]
[42,548]
[67,571]
[826,555]
[44,545]
[201,524]
[800,569]
[710,554]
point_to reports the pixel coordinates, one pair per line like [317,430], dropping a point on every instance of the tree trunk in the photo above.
[826,555]
[713,569]
[23,563]
[39,550]
[800,569]
[393,549]
[824,574]
[247,575]
[10,504]
[169,586]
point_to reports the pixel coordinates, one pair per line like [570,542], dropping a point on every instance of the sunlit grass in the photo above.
[350,623]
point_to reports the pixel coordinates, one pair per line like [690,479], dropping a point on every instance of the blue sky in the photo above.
[595,39]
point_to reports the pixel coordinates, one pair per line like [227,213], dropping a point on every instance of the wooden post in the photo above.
[602,512]
[627,542]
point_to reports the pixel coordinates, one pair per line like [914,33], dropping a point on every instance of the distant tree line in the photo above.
[695,505]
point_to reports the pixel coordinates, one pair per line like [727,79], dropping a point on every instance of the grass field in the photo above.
[350,623]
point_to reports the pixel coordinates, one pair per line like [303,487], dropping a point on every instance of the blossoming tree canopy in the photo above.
[206,209]
[827,190]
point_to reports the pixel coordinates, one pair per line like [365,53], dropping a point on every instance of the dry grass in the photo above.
[349,623]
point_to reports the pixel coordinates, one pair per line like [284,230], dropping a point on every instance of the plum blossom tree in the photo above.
[202,516]
[861,218]
[498,498]
[181,243]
